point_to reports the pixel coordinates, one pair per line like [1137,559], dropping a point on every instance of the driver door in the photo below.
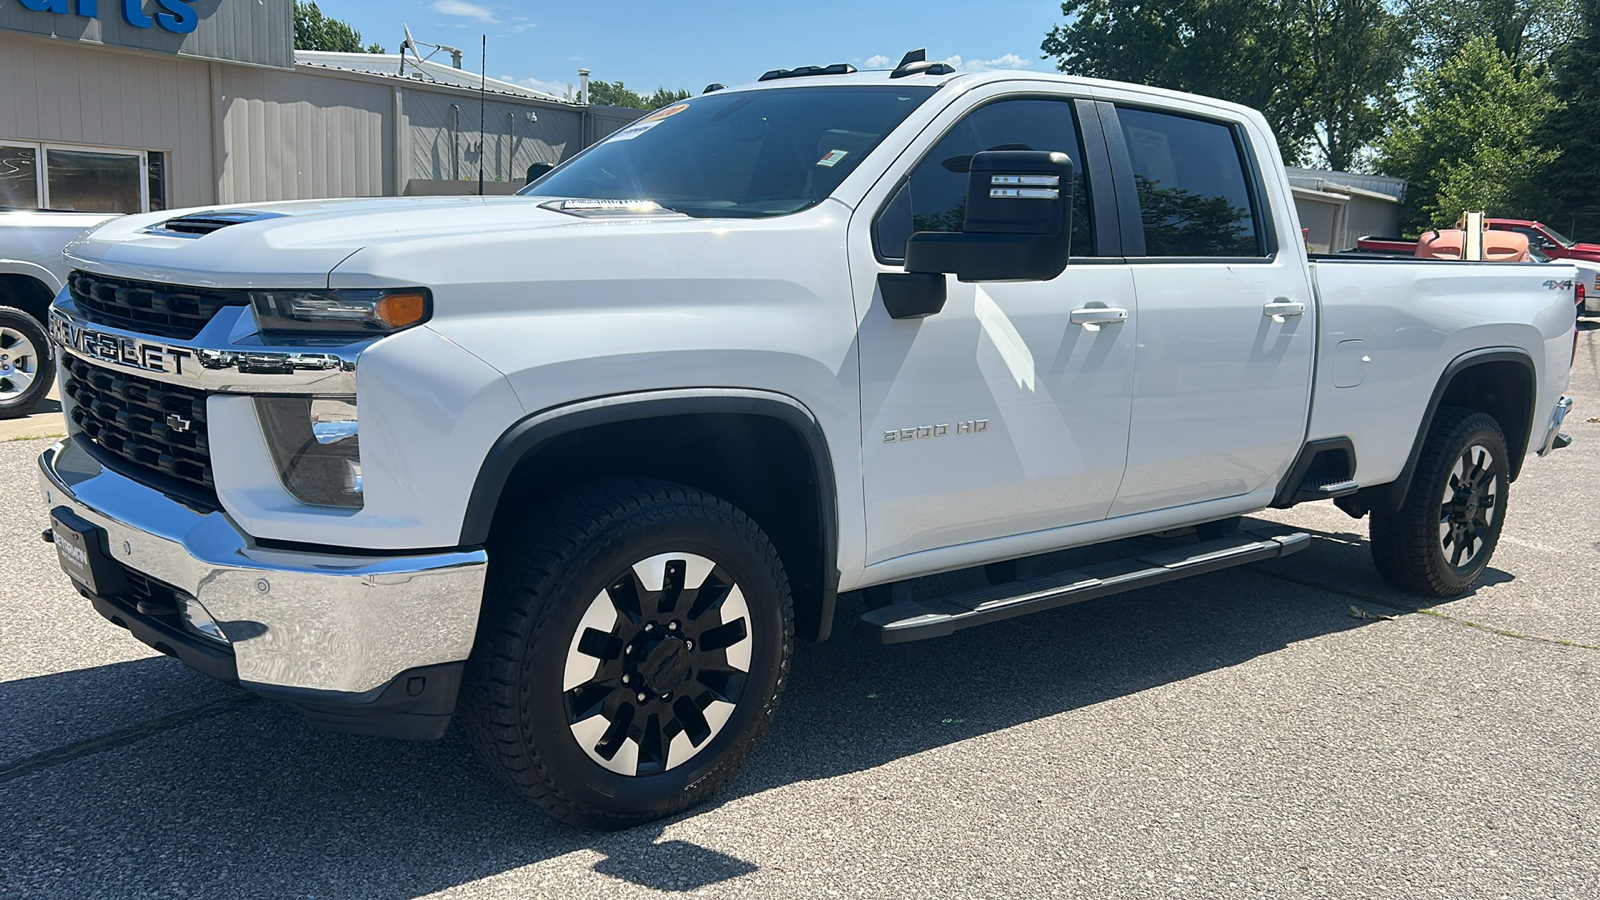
[998,415]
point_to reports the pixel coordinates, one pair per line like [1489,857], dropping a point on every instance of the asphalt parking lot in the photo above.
[1296,729]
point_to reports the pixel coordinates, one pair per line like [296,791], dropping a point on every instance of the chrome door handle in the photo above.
[1282,308]
[1099,315]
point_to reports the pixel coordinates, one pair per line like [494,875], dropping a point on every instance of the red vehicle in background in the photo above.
[1547,240]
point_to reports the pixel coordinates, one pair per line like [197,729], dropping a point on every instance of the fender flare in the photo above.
[536,431]
[32,270]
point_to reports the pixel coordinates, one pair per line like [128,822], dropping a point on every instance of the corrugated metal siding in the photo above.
[603,120]
[69,94]
[1364,216]
[284,135]
[512,142]
[291,136]
[259,31]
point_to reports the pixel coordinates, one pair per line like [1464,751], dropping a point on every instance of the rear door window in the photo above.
[1193,185]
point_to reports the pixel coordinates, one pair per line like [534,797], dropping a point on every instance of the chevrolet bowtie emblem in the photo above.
[178,423]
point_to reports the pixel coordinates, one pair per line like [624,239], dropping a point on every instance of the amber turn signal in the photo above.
[400,310]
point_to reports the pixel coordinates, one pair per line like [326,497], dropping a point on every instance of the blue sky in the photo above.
[689,45]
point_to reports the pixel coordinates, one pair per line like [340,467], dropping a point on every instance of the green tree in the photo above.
[1354,56]
[1324,72]
[1527,31]
[1234,49]
[315,31]
[1468,143]
[615,93]
[663,97]
[1571,182]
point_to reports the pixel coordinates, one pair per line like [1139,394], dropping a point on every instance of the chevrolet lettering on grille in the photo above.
[120,349]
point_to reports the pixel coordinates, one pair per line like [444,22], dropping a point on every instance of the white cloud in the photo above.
[465,10]
[877,62]
[1006,61]
[559,88]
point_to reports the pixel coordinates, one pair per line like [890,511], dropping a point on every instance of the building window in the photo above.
[82,179]
[19,177]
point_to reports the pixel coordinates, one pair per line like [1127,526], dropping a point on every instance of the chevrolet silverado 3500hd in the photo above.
[579,465]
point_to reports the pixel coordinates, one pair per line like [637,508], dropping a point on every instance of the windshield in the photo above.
[747,154]
[1557,236]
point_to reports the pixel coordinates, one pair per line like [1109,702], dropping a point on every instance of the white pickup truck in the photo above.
[32,270]
[579,465]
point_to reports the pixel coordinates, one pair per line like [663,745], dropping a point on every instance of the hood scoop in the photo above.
[201,224]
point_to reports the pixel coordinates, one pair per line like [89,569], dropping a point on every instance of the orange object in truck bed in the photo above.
[1498,246]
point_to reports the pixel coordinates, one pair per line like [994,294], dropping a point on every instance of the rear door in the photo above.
[1227,321]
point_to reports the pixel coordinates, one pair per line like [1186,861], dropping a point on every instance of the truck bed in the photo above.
[1391,326]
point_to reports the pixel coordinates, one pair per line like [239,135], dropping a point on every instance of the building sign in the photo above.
[176,16]
[258,32]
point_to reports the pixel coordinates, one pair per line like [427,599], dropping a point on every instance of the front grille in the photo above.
[163,310]
[156,428]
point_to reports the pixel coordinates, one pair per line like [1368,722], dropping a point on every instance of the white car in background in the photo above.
[32,272]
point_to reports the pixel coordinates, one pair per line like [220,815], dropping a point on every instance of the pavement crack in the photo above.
[122,738]
[1427,611]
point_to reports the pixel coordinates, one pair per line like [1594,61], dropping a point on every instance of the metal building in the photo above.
[152,104]
[1339,208]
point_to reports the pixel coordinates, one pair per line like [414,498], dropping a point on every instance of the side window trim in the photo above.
[1103,213]
[1132,223]
[1128,200]
[1260,210]
[1100,210]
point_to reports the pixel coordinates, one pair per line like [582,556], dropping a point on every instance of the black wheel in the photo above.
[635,639]
[1440,540]
[27,366]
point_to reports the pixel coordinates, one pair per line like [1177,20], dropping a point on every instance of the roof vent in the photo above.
[204,223]
[916,63]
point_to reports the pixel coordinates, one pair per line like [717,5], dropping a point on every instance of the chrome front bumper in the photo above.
[321,626]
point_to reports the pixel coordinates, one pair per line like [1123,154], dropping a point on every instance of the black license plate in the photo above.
[81,548]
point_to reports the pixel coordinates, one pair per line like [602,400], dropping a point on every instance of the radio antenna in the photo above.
[483,103]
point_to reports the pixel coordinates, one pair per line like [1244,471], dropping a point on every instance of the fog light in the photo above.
[316,445]
[198,621]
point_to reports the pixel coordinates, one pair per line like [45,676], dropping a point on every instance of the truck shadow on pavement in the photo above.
[238,797]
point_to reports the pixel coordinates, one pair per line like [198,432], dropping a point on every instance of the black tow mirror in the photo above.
[1017,226]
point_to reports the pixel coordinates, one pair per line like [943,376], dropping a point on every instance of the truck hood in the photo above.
[289,245]
[1587,251]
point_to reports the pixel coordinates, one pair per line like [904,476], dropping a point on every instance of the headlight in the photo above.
[316,446]
[340,314]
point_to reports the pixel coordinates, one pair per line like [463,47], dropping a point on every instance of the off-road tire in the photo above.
[43,357]
[543,574]
[1407,546]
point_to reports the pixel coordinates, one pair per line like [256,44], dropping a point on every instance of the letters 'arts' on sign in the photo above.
[176,16]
